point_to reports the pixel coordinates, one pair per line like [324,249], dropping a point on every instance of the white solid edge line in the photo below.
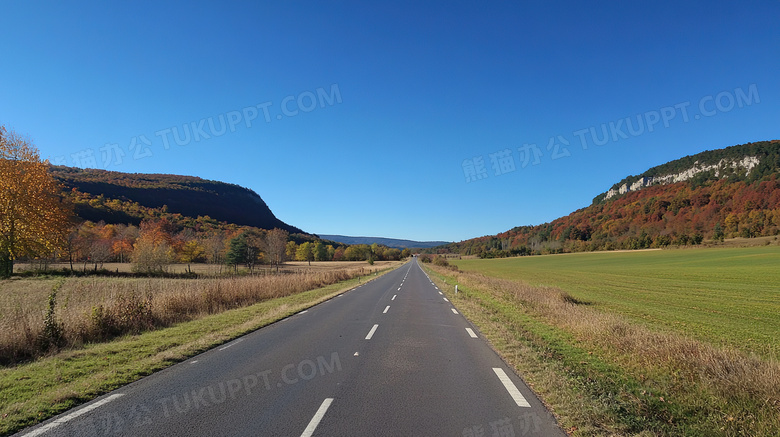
[471,332]
[511,388]
[73,415]
[231,344]
[454,311]
[371,332]
[386,308]
[303,311]
[317,417]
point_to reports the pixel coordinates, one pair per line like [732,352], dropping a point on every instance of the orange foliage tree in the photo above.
[33,218]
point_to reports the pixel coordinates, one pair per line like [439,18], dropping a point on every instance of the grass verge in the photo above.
[30,393]
[602,375]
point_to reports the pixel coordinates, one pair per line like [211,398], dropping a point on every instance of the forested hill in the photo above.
[746,162]
[731,192]
[116,197]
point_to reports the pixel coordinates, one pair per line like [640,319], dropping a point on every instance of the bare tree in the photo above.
[275,246]
[215,248]
[100,252]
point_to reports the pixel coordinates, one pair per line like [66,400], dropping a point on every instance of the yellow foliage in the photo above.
[33,218]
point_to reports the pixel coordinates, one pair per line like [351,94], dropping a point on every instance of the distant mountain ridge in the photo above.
[716,194]
[389,242]
[116,197]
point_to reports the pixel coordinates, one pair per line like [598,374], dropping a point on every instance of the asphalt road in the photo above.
[392,357]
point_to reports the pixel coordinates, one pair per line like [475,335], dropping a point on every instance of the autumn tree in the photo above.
[320,251]
[215,248]
[33,218]
[152,251]
[276,245]
[304,252]
[122,245]
[191,252]
[291,249]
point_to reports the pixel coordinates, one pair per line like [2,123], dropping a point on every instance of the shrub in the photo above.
[52,335]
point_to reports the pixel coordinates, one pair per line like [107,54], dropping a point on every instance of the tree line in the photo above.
[37,221]
[156,243]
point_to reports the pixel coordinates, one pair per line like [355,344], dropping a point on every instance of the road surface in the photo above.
[392,357]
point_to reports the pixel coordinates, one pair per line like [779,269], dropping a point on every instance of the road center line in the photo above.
[394,297]
[471,332]
[386,308]
[73,415]
[317,417]
[454,310]
[511,388]
[371,332]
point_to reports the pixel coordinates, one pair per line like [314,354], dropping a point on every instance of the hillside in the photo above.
[389,242]
[716,194]
[124,198]
[746,162]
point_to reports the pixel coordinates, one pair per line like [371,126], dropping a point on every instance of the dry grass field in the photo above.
[95,308]
[210,311]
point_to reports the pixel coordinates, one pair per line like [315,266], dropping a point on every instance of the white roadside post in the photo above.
[456,288]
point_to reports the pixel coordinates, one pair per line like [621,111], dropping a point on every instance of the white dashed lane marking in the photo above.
[371,332]
[309,431]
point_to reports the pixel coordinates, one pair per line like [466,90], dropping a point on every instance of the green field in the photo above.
[724,296]
[679,342]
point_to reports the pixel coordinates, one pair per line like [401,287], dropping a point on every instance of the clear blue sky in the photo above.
[387,105]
